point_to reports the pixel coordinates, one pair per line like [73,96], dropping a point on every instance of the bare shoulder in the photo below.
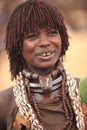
[6,96]
[6,102]
[6,92]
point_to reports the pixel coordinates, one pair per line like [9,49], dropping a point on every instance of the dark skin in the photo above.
[33,47]
[6,106]
[7,103]
[41,51]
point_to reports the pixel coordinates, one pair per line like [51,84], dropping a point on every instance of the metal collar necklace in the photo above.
[36,87]
[46,83]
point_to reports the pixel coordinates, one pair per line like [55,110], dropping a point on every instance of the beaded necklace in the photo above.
[26,110]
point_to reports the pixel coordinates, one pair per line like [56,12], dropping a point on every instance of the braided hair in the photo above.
[27,17]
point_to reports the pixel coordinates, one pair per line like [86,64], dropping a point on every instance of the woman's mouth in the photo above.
[46,55]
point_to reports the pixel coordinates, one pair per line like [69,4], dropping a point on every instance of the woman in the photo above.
[45,95]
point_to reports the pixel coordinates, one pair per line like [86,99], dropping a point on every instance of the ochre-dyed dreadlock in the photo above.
[27,17]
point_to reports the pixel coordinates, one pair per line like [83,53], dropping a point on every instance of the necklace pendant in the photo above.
[46,83]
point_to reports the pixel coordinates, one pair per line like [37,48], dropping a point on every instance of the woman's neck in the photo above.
[40,71]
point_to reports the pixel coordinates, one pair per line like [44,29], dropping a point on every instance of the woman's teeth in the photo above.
[46,54]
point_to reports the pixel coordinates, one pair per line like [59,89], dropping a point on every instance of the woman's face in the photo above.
[41,49]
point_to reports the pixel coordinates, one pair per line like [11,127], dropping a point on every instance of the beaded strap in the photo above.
[25,109]
[76,101]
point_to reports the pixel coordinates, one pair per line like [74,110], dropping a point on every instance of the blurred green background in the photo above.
[75,13]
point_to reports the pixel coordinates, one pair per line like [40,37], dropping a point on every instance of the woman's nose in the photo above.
[44,41]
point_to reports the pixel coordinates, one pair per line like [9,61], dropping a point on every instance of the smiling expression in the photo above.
[42,49]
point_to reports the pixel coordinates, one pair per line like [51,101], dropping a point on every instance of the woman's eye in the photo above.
[53,33]
[32,36]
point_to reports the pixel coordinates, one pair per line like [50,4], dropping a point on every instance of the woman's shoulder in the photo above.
[7,91]
[6,96]
[7,102]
